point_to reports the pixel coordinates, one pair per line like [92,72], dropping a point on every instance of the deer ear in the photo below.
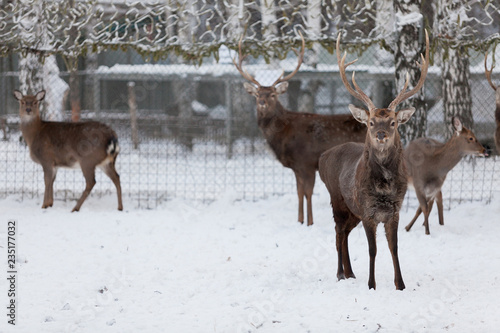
[40,95]
[405,114]
[250,88]
[359,114]
[281,88]
[457,125]
[18,95]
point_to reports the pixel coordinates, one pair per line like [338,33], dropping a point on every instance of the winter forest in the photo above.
[207,237]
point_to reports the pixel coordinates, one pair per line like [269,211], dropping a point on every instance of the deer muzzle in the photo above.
[381,135]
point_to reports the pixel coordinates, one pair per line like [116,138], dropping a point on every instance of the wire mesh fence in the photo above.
[190,130]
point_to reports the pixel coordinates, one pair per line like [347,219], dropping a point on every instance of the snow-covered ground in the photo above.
[242,266]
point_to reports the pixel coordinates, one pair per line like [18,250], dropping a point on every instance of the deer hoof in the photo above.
[75,209]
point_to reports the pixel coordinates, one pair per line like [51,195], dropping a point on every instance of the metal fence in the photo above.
[189,130]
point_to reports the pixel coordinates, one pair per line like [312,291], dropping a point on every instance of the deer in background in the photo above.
[497,100]
[59,144]
[367,182]
[428,162]
[298,139]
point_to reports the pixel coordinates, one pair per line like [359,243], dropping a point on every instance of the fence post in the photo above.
[229,119]
[132,105]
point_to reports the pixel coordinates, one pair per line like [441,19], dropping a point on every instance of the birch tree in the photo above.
[455,72]
[310,87]
[184,90]
[409,45]
[36,70]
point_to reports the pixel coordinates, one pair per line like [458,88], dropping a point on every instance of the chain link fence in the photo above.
[161,74]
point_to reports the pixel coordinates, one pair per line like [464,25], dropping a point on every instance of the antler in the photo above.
[301,57]
[488,72]
[358,93]
[423,69]
[240,69]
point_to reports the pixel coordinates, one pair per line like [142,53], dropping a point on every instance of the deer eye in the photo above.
[471,139]
[371,123]
[393,124]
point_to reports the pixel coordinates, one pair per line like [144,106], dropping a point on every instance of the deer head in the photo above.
[467,140]
[267,97]
[29,105]
[382,122]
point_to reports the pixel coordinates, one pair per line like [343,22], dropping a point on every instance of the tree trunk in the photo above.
[74,91]
[455,72]
[457,99]
[35,72]
[310,87]
[185,90]
[409,46]
[30,67]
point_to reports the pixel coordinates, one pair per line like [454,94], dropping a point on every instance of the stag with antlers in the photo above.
[297,139]
[497,100]
[367,182]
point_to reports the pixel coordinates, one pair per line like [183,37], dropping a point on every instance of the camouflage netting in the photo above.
[196,29]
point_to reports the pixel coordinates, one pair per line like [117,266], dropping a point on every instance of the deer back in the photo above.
[429,161]
[61,143]
[302,137]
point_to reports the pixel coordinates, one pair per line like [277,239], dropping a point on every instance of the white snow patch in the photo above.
[239,266]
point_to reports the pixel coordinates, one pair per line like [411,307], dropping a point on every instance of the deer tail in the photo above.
[113,147]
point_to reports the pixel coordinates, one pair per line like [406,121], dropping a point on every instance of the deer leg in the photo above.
[341,220]
[426,216]
[371,232]
[49,175]
[308,189]
[110,171]
[417,214]
[439,203]
[300,194]
[89,174]
[422,208]
[391,232]
[339,239]
[346,260]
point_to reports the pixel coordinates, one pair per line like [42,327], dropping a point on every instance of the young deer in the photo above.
[58,144]
[367,182]
[428,162]
[497,100]
[298,139]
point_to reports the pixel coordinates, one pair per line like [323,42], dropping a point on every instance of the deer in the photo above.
[297,139]
[53,145]
[367,181]
[497,101]
[428,161]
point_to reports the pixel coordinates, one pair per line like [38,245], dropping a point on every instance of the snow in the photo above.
[245,266]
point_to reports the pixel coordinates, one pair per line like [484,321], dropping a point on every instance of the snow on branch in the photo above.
[197,28]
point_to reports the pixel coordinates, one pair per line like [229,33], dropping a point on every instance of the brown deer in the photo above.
[298,139]
[367,182]
[428,162]
[59,144]
[497,100]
